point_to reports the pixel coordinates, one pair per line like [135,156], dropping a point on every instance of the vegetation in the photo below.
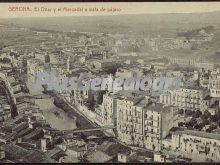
[206,117]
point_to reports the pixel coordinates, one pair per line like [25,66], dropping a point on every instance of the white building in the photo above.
[143,123]
[184,98]
[196,144]
[108,113]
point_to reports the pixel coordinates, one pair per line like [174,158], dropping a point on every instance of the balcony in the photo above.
[152,134]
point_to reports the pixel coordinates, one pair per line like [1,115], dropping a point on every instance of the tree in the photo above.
[208,130]
[200,126]
[196,126]
[188,112]
[218,122]
[197,114]
[214,118]
[218,114]
[5,60]
[181,124]
[191,123]
[206,115]
[180,111]
[206,122]
[212,127]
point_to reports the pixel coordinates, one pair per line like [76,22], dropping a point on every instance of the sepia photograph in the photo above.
[110,82]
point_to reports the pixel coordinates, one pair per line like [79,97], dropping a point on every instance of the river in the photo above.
[56,117]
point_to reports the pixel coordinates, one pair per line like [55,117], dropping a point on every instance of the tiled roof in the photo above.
[98,157]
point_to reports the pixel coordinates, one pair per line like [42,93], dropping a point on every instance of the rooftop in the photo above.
[158,107]
[98,157]
[199,134]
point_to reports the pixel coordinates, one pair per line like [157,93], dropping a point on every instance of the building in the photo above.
[166,98]
[143,123]
[130,119]
[184,98]
[158,120]
[205,65]
[106,114]
[124,73]
[184,60]
[196,144]
[105,64]
[126,157]
[34,66]
[214,85]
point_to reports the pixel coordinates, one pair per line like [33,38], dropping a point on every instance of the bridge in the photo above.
[38,96]
[87,129]
[41,96]
[81,130]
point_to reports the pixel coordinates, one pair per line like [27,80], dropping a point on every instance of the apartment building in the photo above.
[143,123]
[82,95]
[183,60]
[214,85]
[107,113]
[158,120]
[196,144]
[184,98]
[130,120]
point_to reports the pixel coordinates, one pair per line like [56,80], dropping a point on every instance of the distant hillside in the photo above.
[134,24]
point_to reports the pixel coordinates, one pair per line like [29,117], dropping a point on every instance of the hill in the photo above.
[132,24]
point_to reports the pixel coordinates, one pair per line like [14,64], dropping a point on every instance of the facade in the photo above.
[108,110]
[214,85]
[143,123]
[205,65]
[184,60]
[184,98]
[125,73]
[34,66]
[158,120]
[130,121]
[192,143]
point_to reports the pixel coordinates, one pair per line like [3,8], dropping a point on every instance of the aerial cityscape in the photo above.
[102,123]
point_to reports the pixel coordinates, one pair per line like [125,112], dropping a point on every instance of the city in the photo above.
[109,126]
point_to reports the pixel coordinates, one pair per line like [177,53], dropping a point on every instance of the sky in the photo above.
[13,10]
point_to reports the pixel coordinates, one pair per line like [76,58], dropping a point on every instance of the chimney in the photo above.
[29,119]
[19,140]
[43,143]
[30,125]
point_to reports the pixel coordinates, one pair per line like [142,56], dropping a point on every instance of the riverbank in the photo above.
[55,116]
[81,121]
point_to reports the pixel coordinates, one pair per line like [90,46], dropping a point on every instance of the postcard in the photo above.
[110,82]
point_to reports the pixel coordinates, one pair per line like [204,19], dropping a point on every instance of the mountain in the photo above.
[135,24]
